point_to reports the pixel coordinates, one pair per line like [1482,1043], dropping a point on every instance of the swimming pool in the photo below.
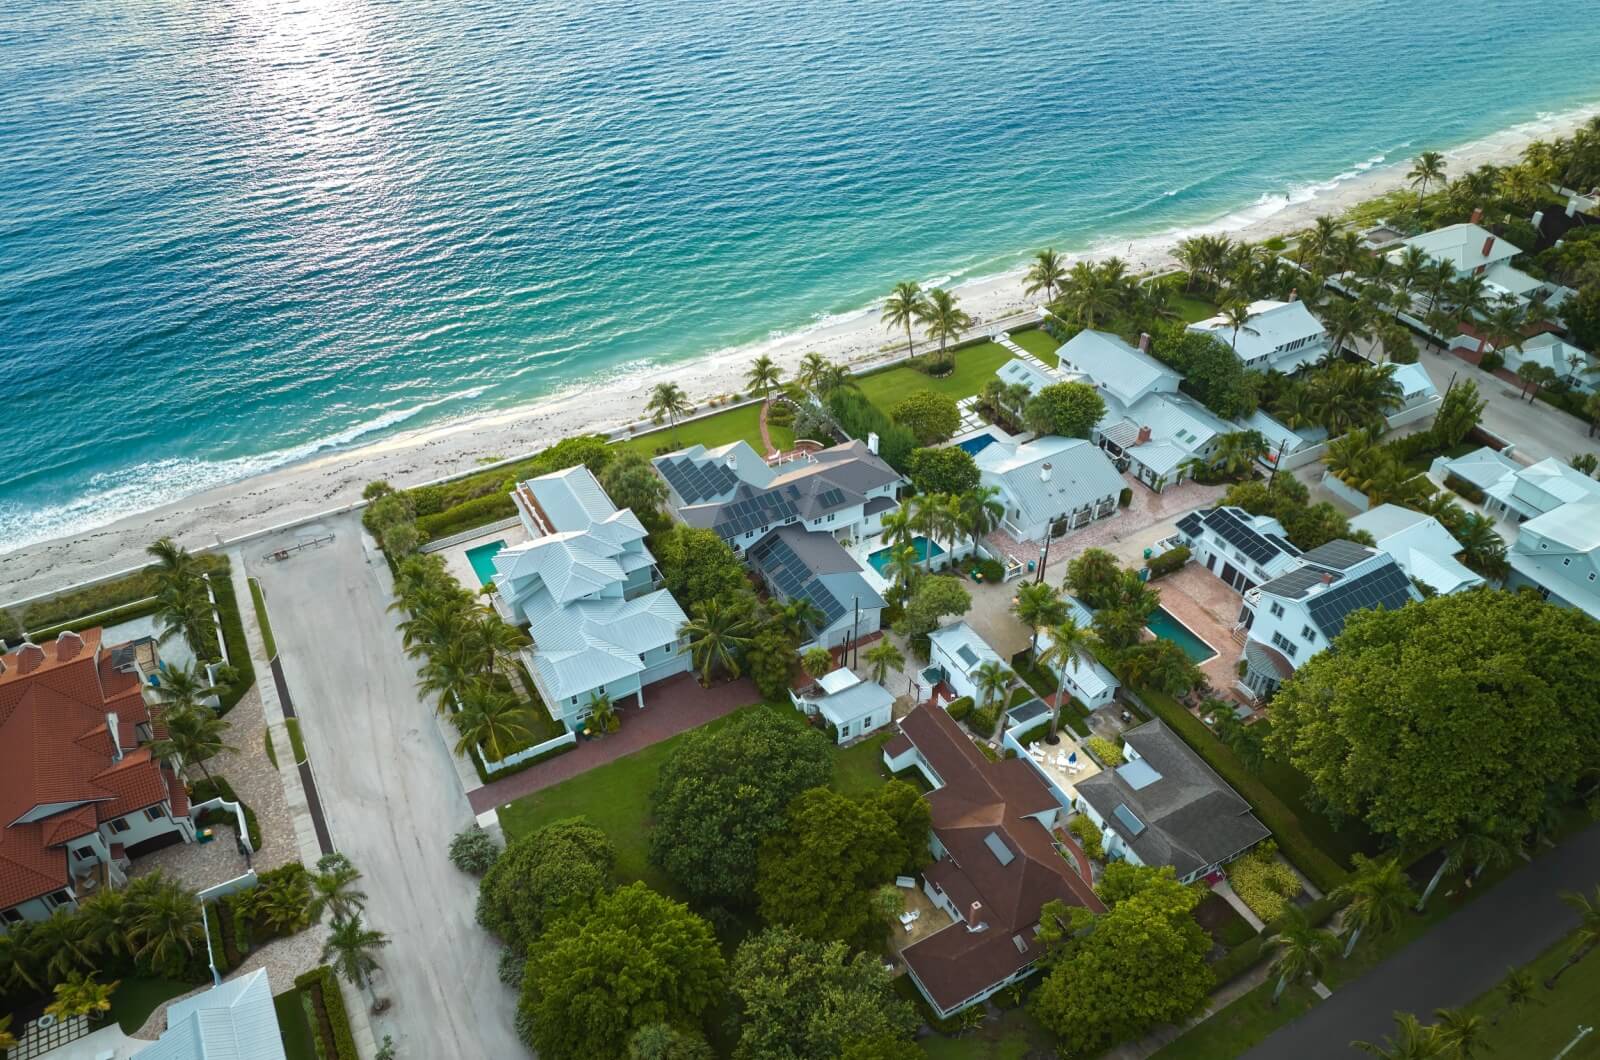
[976,444]
[1166,627]
[482,560]
[880,558]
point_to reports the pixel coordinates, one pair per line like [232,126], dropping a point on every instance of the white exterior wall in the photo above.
[141,828]
[955,676]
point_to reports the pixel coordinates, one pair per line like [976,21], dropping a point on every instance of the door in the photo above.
[1229,575]
[1211,562]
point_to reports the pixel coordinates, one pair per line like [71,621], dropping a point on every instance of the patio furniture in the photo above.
[907,918]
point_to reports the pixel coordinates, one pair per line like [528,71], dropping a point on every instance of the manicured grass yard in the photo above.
[719,429]
[858,770]
[136,998]
[1545,1027]
[293,1028]
[1038,342]
[1015,1035]
[975,366]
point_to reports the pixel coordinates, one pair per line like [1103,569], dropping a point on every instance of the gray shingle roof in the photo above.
[801,564]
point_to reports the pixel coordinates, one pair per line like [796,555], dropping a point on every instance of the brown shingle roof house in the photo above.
[998,862]
[74,780]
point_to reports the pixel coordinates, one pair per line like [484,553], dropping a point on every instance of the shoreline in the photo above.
[305,488]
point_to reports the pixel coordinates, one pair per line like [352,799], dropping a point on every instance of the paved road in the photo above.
[391,794]
[1539,430]
[1466,955]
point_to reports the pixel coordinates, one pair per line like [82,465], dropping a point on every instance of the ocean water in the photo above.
[235,233]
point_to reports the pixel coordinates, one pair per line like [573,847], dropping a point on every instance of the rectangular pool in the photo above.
[1166,627]
[482,560]
[880,558]
[976,444]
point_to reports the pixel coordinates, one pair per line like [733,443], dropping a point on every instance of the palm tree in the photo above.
[1301,950]
[718,635]
[184,610]
[434,624]
[8,1041]
[80,995]
[1474,846]
[490,719]
[1460,1033]
[103,921]
[930,514]
[1345,321]
[1087,290]
[166,927]
[1237,452]
[799,616]
[1469,295]
[669,400]
[883,657]
[1482,548]
[1516,991]
[993,680]
[184,687]
[350,948]
[1438,280]
[1412,1040]
[943,319]
[1236,314]
[897,528]
[905,565]
[333,888]
[19,958]
[174,563]
[1315,242]
[905,306]
[1068,640]
[764,374]
[496,640]
[1586,938]
[1044,274]
[59,941]
[1502,326]
[981,511]
[1037,604]
[1411,271]
[448,673]
[1378,895]
[813,369]
[1428,168]
[193,736]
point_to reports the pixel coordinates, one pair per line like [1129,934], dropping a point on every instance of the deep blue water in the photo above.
[235,231]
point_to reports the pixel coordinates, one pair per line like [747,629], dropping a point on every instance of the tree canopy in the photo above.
[698,566]
[949,470]
[1211,370]
[632,483]
[541,876]
[1140,964]
[1068,409]
[629,960]
[724,790]
[928,414]
[1462,709]
[935,596]
[800,998]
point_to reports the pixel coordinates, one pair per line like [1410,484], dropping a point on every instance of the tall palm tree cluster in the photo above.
[188,731]
[822,377]
[469,658]
[1338,396]
[1106,295]
[936,309]
[939,517]
[185,602]
[151,927]
[1236,273]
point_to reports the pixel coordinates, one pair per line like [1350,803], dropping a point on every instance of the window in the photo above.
[1285,644]
[1276,609]
[1309,634]
[58,898]
[844,731]
[1566,561]
[155,813]
[84,853]
[11,916]
[119,825]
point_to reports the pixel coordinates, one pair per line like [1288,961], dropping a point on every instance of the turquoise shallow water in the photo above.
[235,233]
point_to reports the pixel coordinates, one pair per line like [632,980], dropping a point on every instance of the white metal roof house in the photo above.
[1425,550]
[1481,468]
[1558,553]
[1296,615]
[1528,492]
[583,586]
[1084,678]
[1475,250]
[1241,549]
[1149,427]
[1571,363]
[796,563]
[234,1021]
[961,653]
[1165,806]
[853,706]
[1048,482]
[1280,336]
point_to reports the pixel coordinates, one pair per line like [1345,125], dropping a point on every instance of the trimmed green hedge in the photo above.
[466,516]
[297,744]
[218,787]
[959,708]
[126,613]
[233,636]
[219,951]
[265,623]
[1298,847]
[325,1012]
[1168,562]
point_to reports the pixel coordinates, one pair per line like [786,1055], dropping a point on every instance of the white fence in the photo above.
[468,535]
[231,807]
[565,739]
[227,887]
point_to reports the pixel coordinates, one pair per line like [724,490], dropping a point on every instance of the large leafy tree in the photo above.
[800,998]
[931,416]
[629,960]
[541,876]
[723,791]
[632,483]
[935,596]
[1094,576]
[697,565]
[817,875]
[949,470]
[1068,409]
[1141,964]
[1390,726]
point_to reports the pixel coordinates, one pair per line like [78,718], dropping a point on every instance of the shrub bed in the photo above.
[982,721]
[233,636]
[325,1012]
[1264,883]
[218,787]
[959,708]
[1108,753]
[1167,562]
[1088,836]
[465,516]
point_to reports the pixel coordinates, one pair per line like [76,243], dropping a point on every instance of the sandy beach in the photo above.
[300,491]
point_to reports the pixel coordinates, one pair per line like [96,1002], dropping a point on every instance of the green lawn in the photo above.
[293,1028]
[975,366]
[261,619]
[712,431]
[1038,342]
[1015,1035]
[615,799]
[1544,1028]
[136,998]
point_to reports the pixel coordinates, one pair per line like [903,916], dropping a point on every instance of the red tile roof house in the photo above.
[999,859]
[78,786]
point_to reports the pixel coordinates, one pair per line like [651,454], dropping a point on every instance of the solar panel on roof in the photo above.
[1129,821]
[1386,587]
[1341,554]
[1240,536]
[998,848]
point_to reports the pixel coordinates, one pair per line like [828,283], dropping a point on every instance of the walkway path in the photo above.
[766,437]
[672,706]
[1461,958]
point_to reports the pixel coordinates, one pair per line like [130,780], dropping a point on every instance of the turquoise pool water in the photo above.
[880,558]
[482,560]
[1166,627]
[976,444]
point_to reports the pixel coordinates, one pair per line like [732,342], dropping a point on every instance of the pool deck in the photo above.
[1200,600]
[455,557]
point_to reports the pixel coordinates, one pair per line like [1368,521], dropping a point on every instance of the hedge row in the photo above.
[1167,562]
[325,1012]
[126,613]
[465,516]
[233,636]
[223,955]
[1247,955]
[591,449]
[1298,847]
[218,787]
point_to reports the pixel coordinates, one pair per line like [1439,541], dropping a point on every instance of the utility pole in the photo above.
[1044,556]
[1282,445]
[855,634]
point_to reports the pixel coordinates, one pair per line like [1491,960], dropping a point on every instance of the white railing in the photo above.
[496,764]
[468,535]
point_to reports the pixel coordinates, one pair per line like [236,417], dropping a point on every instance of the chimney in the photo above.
[1488,245]
[733,461]
[68,645]
[1327,579]
[973,923]
[1044,473]
[1294,294]
[116,741]
[1144,341]
[872,442]
[1144,436]
[29,658]
[1477,214]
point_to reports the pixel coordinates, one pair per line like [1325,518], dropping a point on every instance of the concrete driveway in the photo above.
[390,790]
